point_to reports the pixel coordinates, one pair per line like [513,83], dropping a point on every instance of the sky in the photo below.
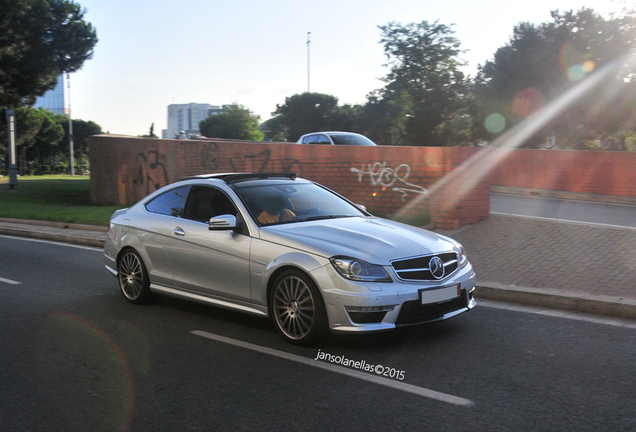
[153,53]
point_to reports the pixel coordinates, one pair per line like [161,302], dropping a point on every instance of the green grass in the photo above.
[56,198]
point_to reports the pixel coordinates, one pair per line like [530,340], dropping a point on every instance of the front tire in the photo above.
[297,309]
[133,278]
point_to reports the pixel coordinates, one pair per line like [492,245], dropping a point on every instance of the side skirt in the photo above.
[240,306]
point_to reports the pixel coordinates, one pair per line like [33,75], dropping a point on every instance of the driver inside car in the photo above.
[274,211]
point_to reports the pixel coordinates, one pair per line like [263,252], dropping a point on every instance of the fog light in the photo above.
[368,315]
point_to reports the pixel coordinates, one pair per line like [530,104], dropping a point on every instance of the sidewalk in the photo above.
[550,264]
[553,264]
[87,235]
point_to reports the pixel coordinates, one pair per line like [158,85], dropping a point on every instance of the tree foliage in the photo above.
[312,112]
[234,122]
[425,83]
[42,136]
[39,40]
[37,135]
[540,62]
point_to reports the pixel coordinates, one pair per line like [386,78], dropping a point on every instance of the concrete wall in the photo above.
[388,180]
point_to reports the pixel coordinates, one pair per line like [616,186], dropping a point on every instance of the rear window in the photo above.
[351,139]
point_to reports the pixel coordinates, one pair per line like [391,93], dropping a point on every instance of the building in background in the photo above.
[54,100]
[186,118]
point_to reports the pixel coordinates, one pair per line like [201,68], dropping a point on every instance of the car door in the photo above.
[154,227]
[208,262]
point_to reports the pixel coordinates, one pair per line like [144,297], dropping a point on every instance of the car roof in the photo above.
[330,132]
[231,178]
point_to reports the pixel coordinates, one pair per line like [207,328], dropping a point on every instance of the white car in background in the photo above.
[335,138]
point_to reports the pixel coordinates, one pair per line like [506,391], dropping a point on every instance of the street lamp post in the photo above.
[71,161]
[13,169]
[308,42]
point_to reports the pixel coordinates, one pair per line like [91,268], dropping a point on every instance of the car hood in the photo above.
[374,240]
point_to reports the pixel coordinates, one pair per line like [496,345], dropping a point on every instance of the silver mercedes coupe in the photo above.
[282,247]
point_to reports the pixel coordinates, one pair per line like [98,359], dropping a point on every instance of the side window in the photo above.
[169,203]
[311,139]
[318,139]
[205,202]
[322,139]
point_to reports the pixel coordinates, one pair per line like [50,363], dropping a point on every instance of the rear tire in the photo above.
[297,309]
[133,278]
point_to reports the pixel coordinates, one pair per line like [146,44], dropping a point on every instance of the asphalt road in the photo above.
[620,215]
[75,356]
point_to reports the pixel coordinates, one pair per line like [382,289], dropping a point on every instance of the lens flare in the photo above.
[79,359]
[576,72]
[574,64]
[464,178]
[589,66]
[526,102]
[495,123]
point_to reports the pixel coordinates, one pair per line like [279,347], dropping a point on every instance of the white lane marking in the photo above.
[616,322]
[566,200]
[90,248]
[420,391]
[592,224]
[9,281]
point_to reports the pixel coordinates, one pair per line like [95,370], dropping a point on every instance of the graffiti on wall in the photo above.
[263,162]
[150,172]
[395,179]
[154,169]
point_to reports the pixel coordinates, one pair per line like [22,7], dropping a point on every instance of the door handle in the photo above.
[178,231]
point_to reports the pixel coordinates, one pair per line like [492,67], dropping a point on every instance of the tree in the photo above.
[234,122]
[273,130]
[540,62]
[46,143]
[424,84]
[151,132]
[312,112]
[39,40]
[36,136]
[82,129]
[383,118]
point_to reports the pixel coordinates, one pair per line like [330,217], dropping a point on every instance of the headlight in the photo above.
[358,270]
[463,258]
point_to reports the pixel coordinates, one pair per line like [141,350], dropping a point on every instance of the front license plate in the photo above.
[440,294]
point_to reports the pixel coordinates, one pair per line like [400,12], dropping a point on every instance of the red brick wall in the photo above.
[603,173]
[387,180]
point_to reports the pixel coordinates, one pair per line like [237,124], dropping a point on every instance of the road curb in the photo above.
[65,225]
[83,241]
[609,306]
[573,196]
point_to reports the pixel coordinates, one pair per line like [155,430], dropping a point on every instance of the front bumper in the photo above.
[364,307]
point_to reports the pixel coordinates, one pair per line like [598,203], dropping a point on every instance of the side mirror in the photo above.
[223,222]
[361,207]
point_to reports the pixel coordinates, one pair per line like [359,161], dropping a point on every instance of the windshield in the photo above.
[351,139]
[272,204]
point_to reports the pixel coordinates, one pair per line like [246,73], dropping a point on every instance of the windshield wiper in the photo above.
[313,218]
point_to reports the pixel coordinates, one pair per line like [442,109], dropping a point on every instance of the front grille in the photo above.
[418,269]
[414,312]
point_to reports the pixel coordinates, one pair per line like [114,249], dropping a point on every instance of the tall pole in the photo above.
[308,76]
[71,160]
[13,170]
